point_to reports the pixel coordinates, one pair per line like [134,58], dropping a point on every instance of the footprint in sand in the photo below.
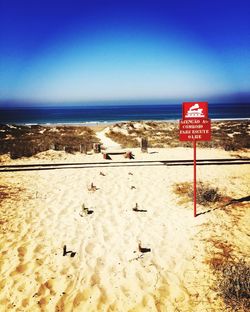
[25,302]
[22,250]
[21,287]
[50,286]
[70,288]
[81,297]
[43,302]
[95,280]
[38,248]
[45,289]
[89,248]
[39,262]
[163,291]
[21,268]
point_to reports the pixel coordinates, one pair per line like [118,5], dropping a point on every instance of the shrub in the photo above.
[234,285]
[228,135]
[205,194]
[26,141]
[122,139]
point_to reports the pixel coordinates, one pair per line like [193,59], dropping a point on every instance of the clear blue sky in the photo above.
[124,50]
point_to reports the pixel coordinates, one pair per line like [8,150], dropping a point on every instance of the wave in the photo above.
[96,122]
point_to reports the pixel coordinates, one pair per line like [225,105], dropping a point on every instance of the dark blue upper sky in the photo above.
[120,50]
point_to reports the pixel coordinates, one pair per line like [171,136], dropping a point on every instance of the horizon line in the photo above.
[110,104]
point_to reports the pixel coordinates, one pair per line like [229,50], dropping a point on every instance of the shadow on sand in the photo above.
[232,201]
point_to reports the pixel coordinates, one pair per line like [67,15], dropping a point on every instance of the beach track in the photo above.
[82,165]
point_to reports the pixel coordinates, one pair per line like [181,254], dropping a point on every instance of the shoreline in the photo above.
[111,122]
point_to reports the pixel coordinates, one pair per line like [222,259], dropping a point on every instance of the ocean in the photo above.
[113,113]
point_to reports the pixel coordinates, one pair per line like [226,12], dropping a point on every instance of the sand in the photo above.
[108,272]
[106,142]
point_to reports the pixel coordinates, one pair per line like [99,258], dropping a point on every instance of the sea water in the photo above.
[88,114]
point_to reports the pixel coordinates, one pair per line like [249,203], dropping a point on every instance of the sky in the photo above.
[122,50]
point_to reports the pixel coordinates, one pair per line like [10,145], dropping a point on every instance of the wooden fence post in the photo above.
[97,147]
[85,149]
[144,145]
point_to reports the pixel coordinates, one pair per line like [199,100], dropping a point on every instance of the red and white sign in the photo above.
[195,129]
[195,126]
[193,110]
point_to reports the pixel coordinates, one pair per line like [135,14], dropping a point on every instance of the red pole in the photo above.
[194,144]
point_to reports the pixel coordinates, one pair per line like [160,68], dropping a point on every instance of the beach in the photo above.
[124,156]
[114,235]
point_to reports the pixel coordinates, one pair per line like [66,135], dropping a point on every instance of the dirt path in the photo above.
[107,142]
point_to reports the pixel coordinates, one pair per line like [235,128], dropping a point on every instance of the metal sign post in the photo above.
[194,146]
[195,126]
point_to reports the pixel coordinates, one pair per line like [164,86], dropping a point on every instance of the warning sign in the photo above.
[195,126]
[192,110]
[195,129]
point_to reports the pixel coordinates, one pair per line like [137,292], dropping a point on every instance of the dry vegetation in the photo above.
[205,194]
[231,272]
[234,285]
[229,135]
[123,139]
[232,276]
[29,140]
[4,192]
[9,192]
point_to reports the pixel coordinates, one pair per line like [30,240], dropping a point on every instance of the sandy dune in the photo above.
[108,272]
